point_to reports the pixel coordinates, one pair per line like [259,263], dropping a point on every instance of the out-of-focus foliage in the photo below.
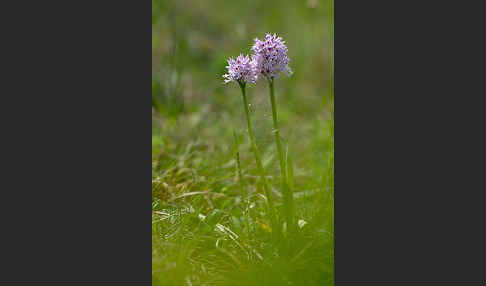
[191,41]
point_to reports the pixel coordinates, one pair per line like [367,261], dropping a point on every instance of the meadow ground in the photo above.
[208,226]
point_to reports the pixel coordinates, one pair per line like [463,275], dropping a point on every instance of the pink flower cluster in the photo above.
[270,56]
[269,59]
[241,70]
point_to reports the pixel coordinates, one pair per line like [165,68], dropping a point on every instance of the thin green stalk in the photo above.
[238,165]
[242,187]
[287,191]
[259,163]
[331,90]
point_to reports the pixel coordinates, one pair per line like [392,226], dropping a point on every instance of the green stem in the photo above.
[331,90]
[287,191]
[259,163]
[242,187]
[238,165]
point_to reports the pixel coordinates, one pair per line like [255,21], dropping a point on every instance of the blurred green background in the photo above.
[193,148]
[191,41]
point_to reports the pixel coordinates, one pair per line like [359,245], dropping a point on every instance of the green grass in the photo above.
[206,251]
[208,226]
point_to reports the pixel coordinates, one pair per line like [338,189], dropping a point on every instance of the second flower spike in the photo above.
[270,56]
